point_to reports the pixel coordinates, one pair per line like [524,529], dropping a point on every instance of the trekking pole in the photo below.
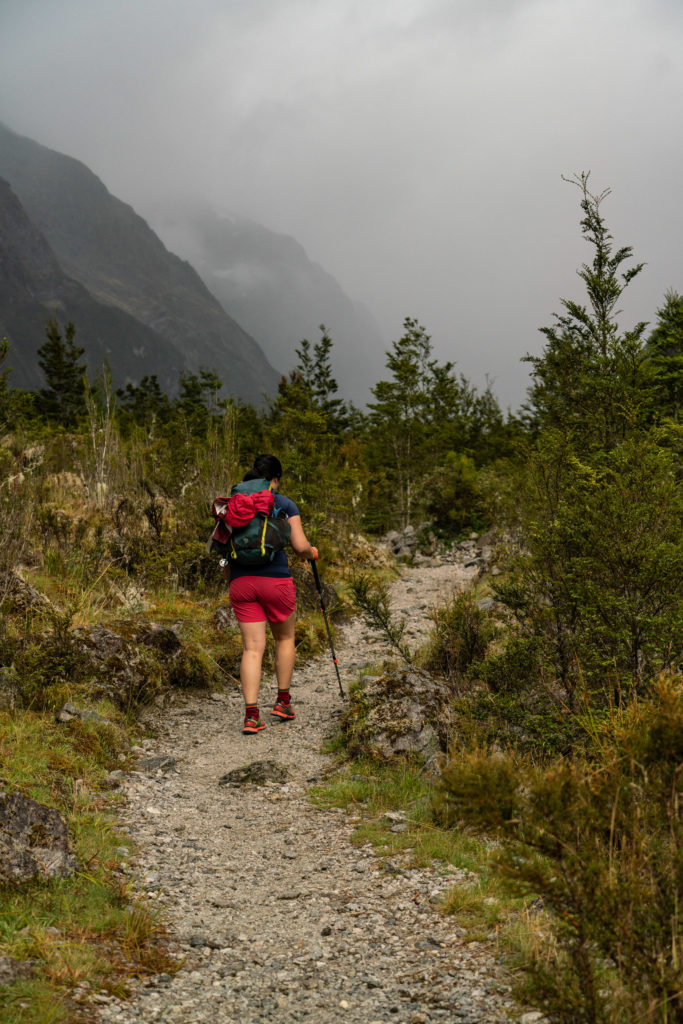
[327,625]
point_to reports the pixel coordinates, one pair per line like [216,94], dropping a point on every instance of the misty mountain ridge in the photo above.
[137,304]
[34,289]
[268,283]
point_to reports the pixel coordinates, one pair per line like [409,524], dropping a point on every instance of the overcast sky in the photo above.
[414,147]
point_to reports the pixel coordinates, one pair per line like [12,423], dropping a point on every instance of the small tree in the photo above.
[63,398]
[665,357]
[590,382]
[400,412]
[312,385]
[144,403]
[598,582]
[199,400]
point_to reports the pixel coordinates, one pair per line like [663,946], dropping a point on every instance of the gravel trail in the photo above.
[279,917]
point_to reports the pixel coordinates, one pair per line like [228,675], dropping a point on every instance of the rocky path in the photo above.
[280,918]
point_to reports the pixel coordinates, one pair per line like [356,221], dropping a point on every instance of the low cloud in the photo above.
[414,148]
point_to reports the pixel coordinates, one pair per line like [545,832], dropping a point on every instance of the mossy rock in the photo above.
[256,774]
[400,713]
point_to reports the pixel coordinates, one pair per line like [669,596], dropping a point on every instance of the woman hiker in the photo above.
[260,593]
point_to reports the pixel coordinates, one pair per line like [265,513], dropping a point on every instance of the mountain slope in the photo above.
[34,288]
[267,282]
[102,243]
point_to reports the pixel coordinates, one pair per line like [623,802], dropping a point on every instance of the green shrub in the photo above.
[532,723]
[454,503]
[461,636]
[600,842]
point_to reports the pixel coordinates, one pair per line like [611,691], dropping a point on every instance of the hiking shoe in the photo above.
[253,725]
[283,710]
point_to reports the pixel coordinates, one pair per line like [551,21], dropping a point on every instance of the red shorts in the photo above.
[257,598]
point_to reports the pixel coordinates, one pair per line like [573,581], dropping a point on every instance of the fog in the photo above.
[414,147]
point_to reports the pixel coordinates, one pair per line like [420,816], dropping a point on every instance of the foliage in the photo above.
[371,597]
[590,383]
[17,511]
[461,636]
[144,404]
[452,494]
[598,580]
[314,373]
[665,357]
[82,929]
[62,399]
[425,432]
[401,411]
[599,841]
[4,375]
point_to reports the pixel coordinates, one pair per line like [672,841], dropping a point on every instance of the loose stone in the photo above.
[281,917]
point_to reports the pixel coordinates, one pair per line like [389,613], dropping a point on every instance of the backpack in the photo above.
[249,529]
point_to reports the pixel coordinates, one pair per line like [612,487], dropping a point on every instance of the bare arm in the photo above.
[299,540]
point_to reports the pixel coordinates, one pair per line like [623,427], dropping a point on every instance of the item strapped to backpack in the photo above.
[248,528]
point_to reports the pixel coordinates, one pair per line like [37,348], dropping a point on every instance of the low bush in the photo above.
[599,841]
[461,636]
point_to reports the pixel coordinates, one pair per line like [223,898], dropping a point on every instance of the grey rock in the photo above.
[19,594]
[404,711]
[163,762]
[403,544]
[12,970]
[34,840]
[256,773]
[69,712]
[119,669]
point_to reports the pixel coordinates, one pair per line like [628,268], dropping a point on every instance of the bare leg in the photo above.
[285,652]
[254,644]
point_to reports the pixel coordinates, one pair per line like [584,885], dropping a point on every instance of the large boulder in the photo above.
[34,840]
[403,712]
[119,670]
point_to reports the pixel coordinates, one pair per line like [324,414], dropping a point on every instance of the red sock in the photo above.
[251,711]
[283,698]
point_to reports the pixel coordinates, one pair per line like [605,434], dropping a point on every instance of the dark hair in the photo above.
[266,466]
